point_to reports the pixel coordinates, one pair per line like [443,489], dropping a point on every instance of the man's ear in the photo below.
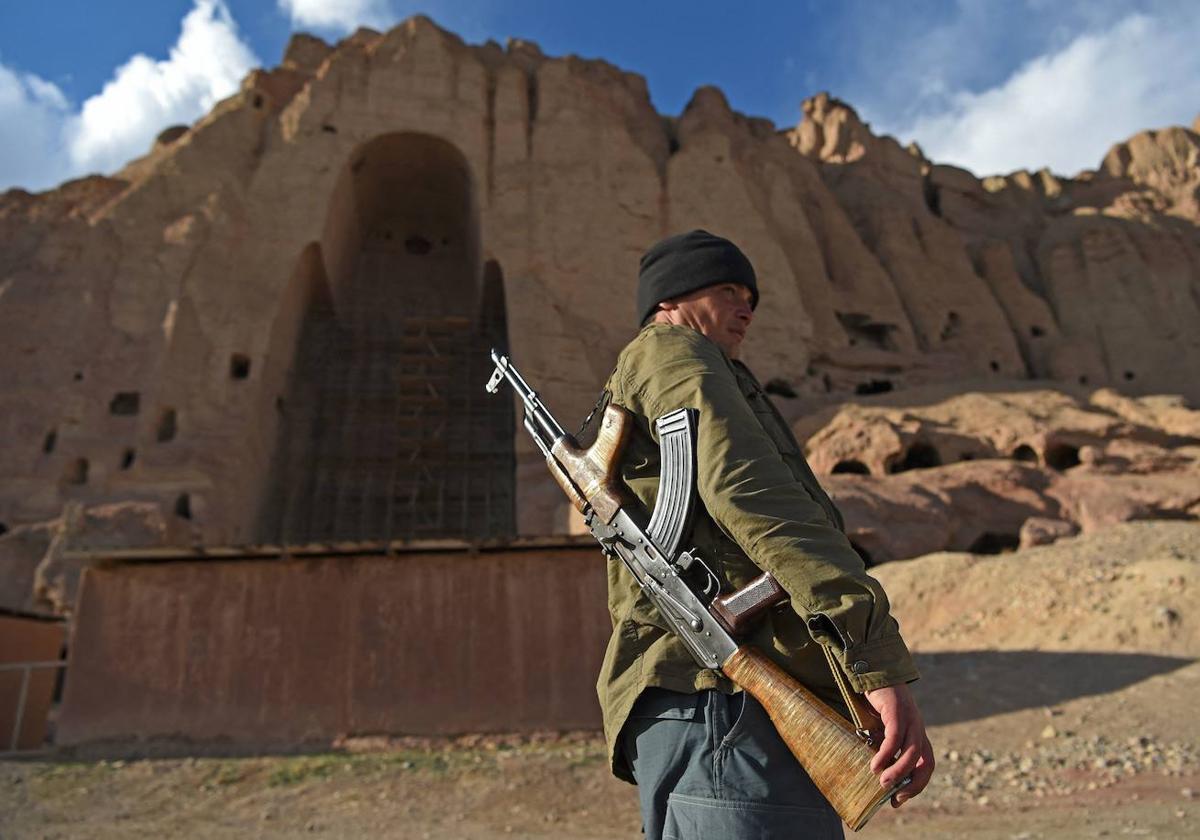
[668,306]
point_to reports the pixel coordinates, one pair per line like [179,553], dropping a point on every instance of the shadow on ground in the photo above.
[969,685]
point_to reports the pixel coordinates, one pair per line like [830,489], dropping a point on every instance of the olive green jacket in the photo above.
[763,510]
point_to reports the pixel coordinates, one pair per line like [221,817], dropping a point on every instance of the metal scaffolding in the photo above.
[401,442]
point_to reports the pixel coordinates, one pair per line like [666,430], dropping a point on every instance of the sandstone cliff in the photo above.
[990,467]
[200,329]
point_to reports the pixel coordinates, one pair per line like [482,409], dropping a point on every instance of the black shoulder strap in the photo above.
[587,433]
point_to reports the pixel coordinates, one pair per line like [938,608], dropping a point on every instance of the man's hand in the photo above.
[905,749]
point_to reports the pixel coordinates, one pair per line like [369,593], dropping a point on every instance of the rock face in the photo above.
[1090,281]
[39,576]
[253,327]
[932,469]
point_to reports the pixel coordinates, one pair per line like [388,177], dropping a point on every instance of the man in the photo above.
[705,757]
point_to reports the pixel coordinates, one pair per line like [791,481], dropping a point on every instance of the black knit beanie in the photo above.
[687,262]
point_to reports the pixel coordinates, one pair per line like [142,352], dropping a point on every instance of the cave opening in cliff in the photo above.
[862,330]
[874,386]
[952,326]
[125,403]
[388,433]
[1062,456]
[919,456]
[1026,453]
[239,366]
[850,467]
[991,542]
[77,471]
[167,427]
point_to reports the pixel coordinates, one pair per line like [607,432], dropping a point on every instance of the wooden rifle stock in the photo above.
[594,473]
[826,744]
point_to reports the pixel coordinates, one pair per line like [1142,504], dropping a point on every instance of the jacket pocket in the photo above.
[769,419]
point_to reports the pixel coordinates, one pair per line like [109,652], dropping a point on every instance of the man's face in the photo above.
[721,313]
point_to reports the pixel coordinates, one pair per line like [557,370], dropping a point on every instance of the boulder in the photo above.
[1039,530]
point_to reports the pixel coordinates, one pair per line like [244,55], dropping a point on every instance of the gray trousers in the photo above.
[711,765]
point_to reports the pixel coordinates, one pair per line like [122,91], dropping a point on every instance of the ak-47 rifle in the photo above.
[835,753]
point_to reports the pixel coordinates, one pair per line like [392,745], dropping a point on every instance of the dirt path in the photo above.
[534,790]
[1069,720]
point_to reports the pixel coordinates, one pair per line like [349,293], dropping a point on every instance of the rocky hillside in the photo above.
[988,467]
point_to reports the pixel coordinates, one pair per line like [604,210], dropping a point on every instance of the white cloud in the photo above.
[339,15]
[1065,108]
[145,96]
[42,141]
[32,112]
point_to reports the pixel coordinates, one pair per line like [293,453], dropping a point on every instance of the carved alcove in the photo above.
[385,429]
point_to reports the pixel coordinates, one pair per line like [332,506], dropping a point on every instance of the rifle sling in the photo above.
[860,712]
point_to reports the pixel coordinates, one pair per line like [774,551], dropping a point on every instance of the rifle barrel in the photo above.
[533,404]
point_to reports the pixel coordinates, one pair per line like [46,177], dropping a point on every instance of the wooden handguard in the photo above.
[835,758]
[595,470]
[738,611]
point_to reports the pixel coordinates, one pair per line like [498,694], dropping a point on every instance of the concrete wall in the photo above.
[276,652]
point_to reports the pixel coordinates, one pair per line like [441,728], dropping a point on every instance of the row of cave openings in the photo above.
[129,404]
[77,471]
[921,455]
[861,330]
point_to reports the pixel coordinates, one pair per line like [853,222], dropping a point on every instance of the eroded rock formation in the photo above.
[933,469]
[253,327]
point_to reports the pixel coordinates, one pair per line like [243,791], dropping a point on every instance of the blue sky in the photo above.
[991,85]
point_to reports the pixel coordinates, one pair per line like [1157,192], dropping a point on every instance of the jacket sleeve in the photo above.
[752,494]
